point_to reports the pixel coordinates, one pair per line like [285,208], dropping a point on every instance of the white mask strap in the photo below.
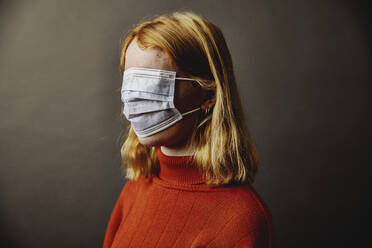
[191,111]
[181,78]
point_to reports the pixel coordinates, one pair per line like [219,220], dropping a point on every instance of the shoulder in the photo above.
[131,187]
[129,190]
[248,223]
[252,212]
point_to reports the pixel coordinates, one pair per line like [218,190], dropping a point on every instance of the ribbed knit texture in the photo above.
[178,209]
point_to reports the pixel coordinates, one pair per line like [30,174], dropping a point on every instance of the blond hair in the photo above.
[224,149]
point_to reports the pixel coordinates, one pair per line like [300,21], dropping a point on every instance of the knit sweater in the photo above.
[176,208]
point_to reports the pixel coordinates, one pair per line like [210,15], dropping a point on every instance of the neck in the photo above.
[179,170]
[180,149]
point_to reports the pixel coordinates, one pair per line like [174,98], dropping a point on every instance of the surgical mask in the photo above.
[148,97]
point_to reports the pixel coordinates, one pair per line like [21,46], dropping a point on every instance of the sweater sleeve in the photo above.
[115,219]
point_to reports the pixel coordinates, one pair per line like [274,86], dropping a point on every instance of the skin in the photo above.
[188,96]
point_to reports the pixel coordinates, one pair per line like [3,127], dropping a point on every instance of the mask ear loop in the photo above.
[191,111]
[188,79]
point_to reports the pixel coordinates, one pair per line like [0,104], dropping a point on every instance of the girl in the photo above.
[188,155]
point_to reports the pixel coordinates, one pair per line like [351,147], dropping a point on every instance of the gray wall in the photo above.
[302,70]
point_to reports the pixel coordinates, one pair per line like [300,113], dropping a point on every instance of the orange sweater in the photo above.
[177,209]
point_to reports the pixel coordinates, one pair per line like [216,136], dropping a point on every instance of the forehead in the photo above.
[153,58]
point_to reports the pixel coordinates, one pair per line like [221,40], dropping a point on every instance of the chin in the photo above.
[167,137]
[157,139]
[149,141]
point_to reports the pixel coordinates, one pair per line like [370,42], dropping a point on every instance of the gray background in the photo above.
[303,74]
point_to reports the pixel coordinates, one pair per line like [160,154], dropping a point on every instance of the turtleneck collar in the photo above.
[178,170]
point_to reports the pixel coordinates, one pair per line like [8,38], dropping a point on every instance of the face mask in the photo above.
[148,96]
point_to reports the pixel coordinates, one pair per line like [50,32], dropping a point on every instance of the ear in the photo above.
[209,99]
